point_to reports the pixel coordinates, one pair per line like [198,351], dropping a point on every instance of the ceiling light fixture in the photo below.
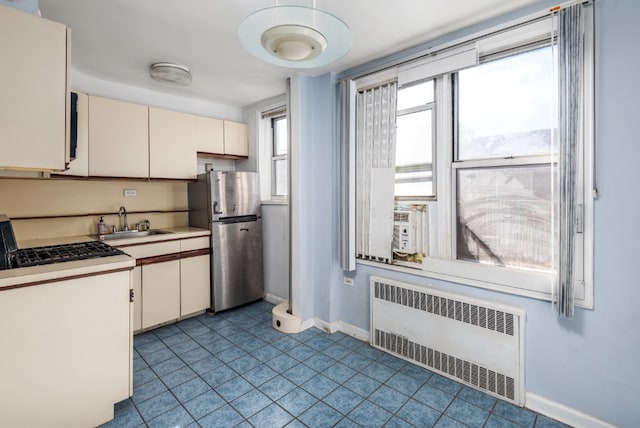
[295,36]
[168,72]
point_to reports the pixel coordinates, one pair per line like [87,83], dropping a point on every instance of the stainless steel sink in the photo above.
[125,234]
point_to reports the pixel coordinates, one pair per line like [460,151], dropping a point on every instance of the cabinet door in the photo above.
[235,139]
[136,279]
[33,81]
[80,165]
[171,144]
[161,293]
[195,284]
[209,137]
[118,138]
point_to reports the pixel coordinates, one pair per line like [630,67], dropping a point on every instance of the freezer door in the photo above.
[234,194]
[236,264]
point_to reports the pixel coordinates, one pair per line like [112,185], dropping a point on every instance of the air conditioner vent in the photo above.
[401,216]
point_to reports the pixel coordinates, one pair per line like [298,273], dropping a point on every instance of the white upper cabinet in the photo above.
[171,144]
[80,165]
[235,139]
[209,137]
[118,138]
[34,86]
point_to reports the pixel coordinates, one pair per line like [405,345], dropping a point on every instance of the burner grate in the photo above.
[62,253]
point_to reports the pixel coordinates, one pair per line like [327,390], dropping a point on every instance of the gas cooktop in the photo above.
[37,256]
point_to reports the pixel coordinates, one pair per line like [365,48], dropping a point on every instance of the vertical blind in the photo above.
[571,30]
[375,157]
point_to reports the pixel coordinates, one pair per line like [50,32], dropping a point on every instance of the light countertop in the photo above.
[58,271]
[11,278]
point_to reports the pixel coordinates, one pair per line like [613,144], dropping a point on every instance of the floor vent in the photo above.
[475,342]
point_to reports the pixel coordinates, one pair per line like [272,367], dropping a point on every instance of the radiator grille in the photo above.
[491,319]
[479,343]
[466,371]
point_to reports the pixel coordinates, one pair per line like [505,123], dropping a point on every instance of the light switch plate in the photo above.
[130,192]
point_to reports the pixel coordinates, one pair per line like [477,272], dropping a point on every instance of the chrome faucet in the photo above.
[143,225]
[123,212]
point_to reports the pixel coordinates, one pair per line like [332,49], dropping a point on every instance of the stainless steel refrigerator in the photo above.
[228,203]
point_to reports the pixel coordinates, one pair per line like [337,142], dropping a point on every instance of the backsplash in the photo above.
[66,203]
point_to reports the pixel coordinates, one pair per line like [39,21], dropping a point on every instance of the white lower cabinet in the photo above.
[195,284]
[136,285]
[160,293]
[65,351]
[172,280]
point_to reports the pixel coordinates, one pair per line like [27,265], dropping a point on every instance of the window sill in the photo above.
[417,270]
[275,202]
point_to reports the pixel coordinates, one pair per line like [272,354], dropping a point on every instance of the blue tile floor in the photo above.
[233,369]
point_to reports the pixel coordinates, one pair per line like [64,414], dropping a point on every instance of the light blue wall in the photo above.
[318,158]
[589,364]
[30,6]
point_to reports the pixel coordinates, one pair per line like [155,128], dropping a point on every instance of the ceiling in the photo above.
[117,40]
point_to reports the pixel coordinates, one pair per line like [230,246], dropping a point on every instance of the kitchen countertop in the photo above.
[12,278]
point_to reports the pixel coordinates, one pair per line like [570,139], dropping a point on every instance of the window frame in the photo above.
[276,157]
[263,115]
[430,106]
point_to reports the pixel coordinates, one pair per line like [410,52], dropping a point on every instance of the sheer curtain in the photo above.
[375,160]
[570,30]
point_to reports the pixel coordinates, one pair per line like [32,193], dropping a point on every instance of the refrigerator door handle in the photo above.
[215,208]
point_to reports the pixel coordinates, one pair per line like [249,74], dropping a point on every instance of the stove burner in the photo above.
[62,253]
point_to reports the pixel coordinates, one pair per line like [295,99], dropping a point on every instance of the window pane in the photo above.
[415,95]
[280,136]
[504,216]
[279,177]
[506,107]
[414,154]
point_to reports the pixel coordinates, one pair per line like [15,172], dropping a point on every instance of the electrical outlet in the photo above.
[348,281]
[130,192]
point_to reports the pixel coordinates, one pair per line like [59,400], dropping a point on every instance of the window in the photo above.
[273,134]
[478,159]
[414,142]
[502,166]
[279,144]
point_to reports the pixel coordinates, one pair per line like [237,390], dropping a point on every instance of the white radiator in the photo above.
[472,341]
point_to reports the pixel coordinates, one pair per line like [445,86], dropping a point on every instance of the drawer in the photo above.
[194,243]
[152,250]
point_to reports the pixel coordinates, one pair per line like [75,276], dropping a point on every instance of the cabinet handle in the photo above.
[131,295]
[244,229]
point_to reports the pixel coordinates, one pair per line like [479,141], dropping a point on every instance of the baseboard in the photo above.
[341,326]
[563,413]
[273,299]
[352,330]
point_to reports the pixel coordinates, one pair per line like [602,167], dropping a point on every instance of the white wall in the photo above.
[275,244]
[120,91]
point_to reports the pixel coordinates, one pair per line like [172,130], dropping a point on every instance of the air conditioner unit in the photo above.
[404,231]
